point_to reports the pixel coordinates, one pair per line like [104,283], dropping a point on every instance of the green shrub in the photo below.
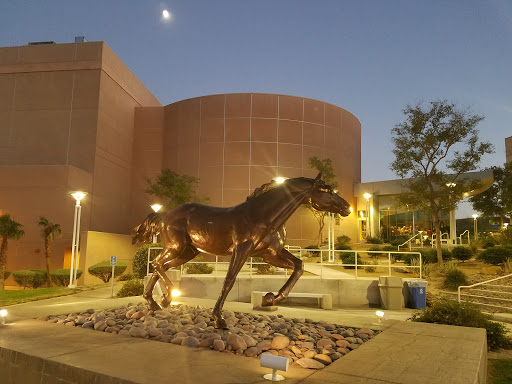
[263,269]
[140,259]
[6,274]
[462,253]
[133,287]
[371,269]
[343,240]
[389,248]
[455,278]
[125,277]
[398,241]
[451,312]
[429,256]
[343,247]
[374,240]
[103,270]
[198,269]
[313,253]
[374,255]
[505,236]
[60,277]
[495,255]
[33,278]
[350,258]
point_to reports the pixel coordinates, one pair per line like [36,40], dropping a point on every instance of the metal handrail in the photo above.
[477,284]
[462,234]
[444,237]
[409,241]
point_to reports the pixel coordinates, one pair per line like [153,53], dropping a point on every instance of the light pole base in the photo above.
[71,286]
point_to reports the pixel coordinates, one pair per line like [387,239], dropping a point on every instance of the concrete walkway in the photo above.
[37,352]
[326,272]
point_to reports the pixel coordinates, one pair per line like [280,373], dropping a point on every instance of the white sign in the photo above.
[113,260]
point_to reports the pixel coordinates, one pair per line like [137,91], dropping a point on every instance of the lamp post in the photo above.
[475,216]
[368,219]
[76,238]
[156,208]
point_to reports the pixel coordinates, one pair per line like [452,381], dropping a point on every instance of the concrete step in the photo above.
[490,293]
[485,303]
[497,287]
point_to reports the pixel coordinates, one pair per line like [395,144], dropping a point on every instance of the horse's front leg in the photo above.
[240,253]
[283,259]
[148,292]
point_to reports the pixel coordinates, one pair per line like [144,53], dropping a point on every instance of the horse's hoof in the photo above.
[154,306]
[268,300]
[165,302]
[221,324]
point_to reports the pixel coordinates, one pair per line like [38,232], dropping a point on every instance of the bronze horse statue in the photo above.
[253,228]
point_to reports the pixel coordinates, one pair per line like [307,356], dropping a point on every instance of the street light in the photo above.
[368,221]
[76,238]
[156,208]
[475,216]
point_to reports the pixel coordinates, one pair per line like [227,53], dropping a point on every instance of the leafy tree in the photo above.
[49,231]
[325,167]
[497,200]
[9,229]
[174,189]
[432,141]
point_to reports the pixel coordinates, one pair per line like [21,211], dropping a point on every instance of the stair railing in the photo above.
[444,239]
[462,234]
[410,240]
[477,284]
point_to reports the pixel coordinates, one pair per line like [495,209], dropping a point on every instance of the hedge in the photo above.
[140,260]
[495,255]
[33,278]
[103,270]
[60,277]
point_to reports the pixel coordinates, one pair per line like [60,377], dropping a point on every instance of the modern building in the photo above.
[74,117]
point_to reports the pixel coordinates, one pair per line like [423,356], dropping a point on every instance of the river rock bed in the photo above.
[305,342]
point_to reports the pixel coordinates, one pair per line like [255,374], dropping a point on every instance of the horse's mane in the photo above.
[293,185]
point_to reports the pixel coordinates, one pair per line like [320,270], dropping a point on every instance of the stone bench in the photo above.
[324,299]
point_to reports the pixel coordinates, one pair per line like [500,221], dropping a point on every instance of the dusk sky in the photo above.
[369,57]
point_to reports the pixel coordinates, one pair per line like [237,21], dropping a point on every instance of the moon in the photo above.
[166,14]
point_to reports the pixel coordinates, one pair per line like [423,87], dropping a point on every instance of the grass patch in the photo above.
[500,371]
[24,295]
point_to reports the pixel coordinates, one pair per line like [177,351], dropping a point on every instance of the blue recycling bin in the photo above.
[417,293]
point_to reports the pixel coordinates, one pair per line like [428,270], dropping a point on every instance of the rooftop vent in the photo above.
[41,42]
[80,39]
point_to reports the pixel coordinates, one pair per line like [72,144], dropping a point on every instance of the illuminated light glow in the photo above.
[3,312]
[78,195]
[474,215]
[451,185]
[379,313]
[367,196]
[175,293]
[351,209]
[280,180]
[335,190]
[166,14]
[156,207]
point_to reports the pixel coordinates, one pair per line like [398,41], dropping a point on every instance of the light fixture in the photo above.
[276,363]
[156,207]
[78,195]
[382,316]
[351,209]
[451,185]
[3,314]
[505,225]
[474,216]
[280,180]
[175,293]
[367,196]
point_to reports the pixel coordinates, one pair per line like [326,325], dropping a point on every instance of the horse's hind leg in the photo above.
[283,259]
[172,261]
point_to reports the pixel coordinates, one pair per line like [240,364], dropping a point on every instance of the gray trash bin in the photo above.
[391,296]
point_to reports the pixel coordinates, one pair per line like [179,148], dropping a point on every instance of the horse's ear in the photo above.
[318,177]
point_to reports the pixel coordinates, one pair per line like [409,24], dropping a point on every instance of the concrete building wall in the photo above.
[235,143]
[66,123]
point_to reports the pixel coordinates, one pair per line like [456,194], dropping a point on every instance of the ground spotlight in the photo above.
[382,315]
[175,293]
[276,363]
[3,314]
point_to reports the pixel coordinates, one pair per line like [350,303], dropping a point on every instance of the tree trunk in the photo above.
[3,261]
[47,251]
[438,240]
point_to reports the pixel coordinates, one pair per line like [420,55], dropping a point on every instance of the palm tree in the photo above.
[48,231]
[9,229]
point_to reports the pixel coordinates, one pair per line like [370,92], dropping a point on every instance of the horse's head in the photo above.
[323,198]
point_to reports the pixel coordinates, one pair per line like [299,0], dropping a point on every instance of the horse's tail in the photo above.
[144,232]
